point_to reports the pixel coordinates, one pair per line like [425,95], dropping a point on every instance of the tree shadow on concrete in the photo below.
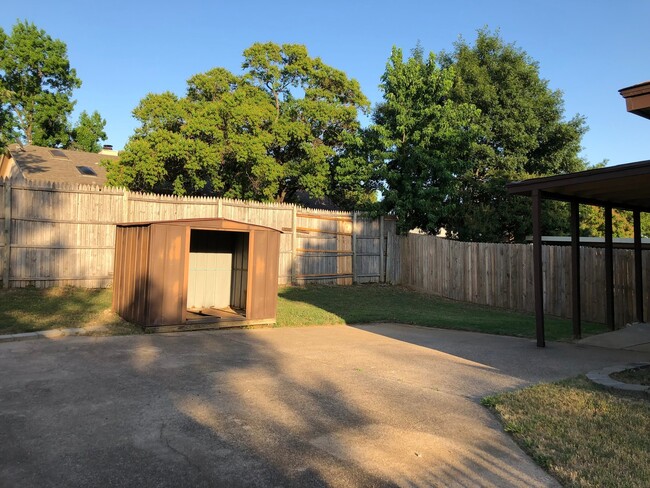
[236,408]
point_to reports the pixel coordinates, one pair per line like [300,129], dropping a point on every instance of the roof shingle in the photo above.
[42,164]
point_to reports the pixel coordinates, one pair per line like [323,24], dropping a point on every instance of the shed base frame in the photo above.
[208,323]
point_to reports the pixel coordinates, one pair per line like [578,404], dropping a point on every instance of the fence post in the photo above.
[382,277]
[354,247]
[389,264]
[294,241]
[6,255]
[125,205]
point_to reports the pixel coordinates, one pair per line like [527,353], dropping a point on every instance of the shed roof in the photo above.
[625,186]
[216,223]
[42,164]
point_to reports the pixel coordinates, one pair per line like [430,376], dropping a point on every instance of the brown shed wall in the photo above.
[168,262]
[264,274]
[130,277]
[240,273]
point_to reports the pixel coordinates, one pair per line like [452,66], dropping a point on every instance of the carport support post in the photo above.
[609,267]
[575,269]
[537,267]
[638,266]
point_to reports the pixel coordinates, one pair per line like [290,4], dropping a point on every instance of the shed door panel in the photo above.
[210,276]
[260,243]
[167,274]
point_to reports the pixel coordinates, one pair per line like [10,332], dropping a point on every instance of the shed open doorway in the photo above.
[217,275]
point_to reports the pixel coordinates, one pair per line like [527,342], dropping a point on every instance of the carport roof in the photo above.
[625,186]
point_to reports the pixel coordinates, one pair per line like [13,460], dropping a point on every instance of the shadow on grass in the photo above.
[318,305]
[31,309]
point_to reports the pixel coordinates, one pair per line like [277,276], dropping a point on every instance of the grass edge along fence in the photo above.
[57,234]
[500,275]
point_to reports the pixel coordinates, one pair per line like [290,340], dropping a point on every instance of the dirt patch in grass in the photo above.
[583,435]
[638,376]
[31,310]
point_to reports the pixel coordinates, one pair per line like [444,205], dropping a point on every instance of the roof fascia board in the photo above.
[546,195]
[582,177]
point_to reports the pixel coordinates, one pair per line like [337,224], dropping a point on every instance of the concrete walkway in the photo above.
[378,405]
[634,337]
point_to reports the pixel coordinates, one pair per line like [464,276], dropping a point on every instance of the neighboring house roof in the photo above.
[37,163]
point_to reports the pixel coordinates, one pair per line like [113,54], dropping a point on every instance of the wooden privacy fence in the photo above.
[57,234]
[501,275]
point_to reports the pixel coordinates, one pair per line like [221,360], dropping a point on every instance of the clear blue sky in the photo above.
[124,50]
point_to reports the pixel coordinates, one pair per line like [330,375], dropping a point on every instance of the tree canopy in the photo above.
[36,86]
[424,138]
[286,128]
[88,133]
[522,134]
[471,121]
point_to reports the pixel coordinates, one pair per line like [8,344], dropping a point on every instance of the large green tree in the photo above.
[285,129]
[36,85]
[456,129]
[522,133]
[88,133]
[424,139]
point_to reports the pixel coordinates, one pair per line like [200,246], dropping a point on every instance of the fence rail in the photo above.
[58,234]
[501,275]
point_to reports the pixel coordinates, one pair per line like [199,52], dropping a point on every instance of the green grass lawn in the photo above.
[29,309]
[314,305]
[580,433]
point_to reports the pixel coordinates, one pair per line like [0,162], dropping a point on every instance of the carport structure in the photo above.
[625,187]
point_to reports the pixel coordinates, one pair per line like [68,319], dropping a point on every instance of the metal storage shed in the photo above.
[195,273]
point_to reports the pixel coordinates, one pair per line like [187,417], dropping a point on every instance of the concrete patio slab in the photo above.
[634,337]
[376,405]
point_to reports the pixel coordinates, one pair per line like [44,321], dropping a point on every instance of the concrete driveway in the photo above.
[377,405]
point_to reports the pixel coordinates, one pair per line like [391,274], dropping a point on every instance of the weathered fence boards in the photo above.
[501,275]
[54,234]
[57,234]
